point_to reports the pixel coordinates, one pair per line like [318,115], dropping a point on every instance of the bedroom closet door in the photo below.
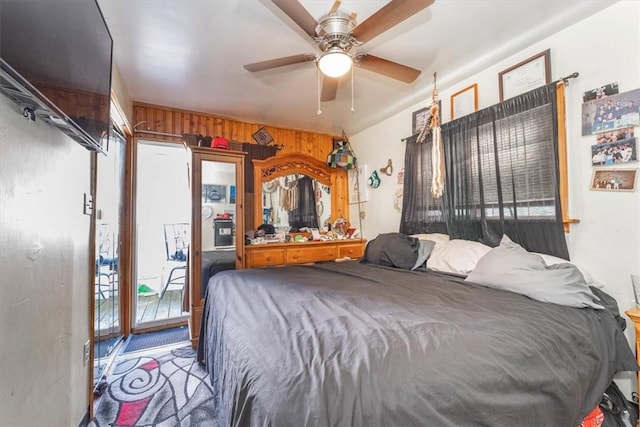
[217,243]
[108,212]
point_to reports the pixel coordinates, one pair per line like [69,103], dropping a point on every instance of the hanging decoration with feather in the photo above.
[432,125]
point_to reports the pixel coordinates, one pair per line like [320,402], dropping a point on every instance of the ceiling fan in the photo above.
[337,33]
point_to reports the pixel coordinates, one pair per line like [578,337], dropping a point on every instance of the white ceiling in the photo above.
[189,54]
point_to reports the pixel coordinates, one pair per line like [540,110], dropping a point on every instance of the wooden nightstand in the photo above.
[634,315]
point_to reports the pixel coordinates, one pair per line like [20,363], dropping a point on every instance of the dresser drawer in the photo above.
[266,257]
[353,251]
[311,254]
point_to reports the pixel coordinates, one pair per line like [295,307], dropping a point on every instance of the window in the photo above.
[501,176]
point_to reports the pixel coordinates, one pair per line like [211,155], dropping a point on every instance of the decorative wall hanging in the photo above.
[525,76]
[262,136]
[357,192]
[374,179]
[387,170]
[437,154]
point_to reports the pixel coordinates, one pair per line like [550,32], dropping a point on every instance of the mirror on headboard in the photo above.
[298,190]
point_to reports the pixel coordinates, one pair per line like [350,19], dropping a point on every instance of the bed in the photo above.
[214,262]
[363,344]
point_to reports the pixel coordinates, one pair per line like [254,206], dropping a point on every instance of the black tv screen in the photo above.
[60,52]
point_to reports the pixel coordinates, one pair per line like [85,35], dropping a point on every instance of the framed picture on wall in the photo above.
[262,136]
[614,179]
[420,117]
[464,101]
[214,193]
[525,76]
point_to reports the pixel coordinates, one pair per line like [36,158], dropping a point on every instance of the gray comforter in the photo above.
[350,344]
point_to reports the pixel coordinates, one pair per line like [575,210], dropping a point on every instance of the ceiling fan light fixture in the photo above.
[335,62]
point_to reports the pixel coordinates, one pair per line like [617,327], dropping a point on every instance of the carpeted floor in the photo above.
[156,339]
[162,389]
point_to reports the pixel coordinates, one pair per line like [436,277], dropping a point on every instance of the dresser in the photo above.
[280,254]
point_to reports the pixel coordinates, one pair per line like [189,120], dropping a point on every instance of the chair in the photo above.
[106,262]
[176,240]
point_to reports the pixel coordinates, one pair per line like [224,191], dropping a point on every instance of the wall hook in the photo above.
[387,170]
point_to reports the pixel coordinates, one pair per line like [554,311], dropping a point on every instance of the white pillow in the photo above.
[438,238]
[456,256]
[553,260]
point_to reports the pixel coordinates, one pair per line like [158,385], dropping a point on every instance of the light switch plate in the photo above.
[88,204]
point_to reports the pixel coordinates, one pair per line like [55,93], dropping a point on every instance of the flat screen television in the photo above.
[55,62]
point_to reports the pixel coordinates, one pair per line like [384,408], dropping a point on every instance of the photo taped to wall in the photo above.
[611,113]
[600,92]
[611,153]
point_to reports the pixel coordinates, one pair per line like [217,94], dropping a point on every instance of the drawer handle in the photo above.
[268,258]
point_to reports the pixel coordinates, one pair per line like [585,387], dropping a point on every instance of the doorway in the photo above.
[162,235]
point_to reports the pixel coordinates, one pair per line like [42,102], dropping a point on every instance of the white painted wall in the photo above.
[45,288]
[603,48]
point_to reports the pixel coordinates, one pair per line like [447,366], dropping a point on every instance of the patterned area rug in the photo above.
[166,389]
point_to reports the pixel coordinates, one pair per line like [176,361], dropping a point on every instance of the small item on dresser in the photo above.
[340,226]
[220,143]
[205,141]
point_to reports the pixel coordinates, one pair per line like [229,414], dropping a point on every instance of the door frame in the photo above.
[130,221]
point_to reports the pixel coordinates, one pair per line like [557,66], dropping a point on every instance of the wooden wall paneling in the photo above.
[175,121]
[186,124]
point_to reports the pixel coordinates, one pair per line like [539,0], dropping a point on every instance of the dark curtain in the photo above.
[254,152]
[501,176]
[305,214]
[421,213]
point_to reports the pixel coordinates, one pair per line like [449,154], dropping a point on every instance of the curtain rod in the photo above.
[570,76]
[152,132]
[159,133]
[564,79]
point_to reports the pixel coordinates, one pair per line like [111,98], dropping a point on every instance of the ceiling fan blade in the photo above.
[279,62]
[386,17]
[329,88]
[296,11]
[388,68]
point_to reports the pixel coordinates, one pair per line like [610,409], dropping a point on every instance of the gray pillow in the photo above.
[397,250]
[426,246]
[510,267]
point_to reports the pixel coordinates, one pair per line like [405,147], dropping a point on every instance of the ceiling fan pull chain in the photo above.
[319,84]
[353,110]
